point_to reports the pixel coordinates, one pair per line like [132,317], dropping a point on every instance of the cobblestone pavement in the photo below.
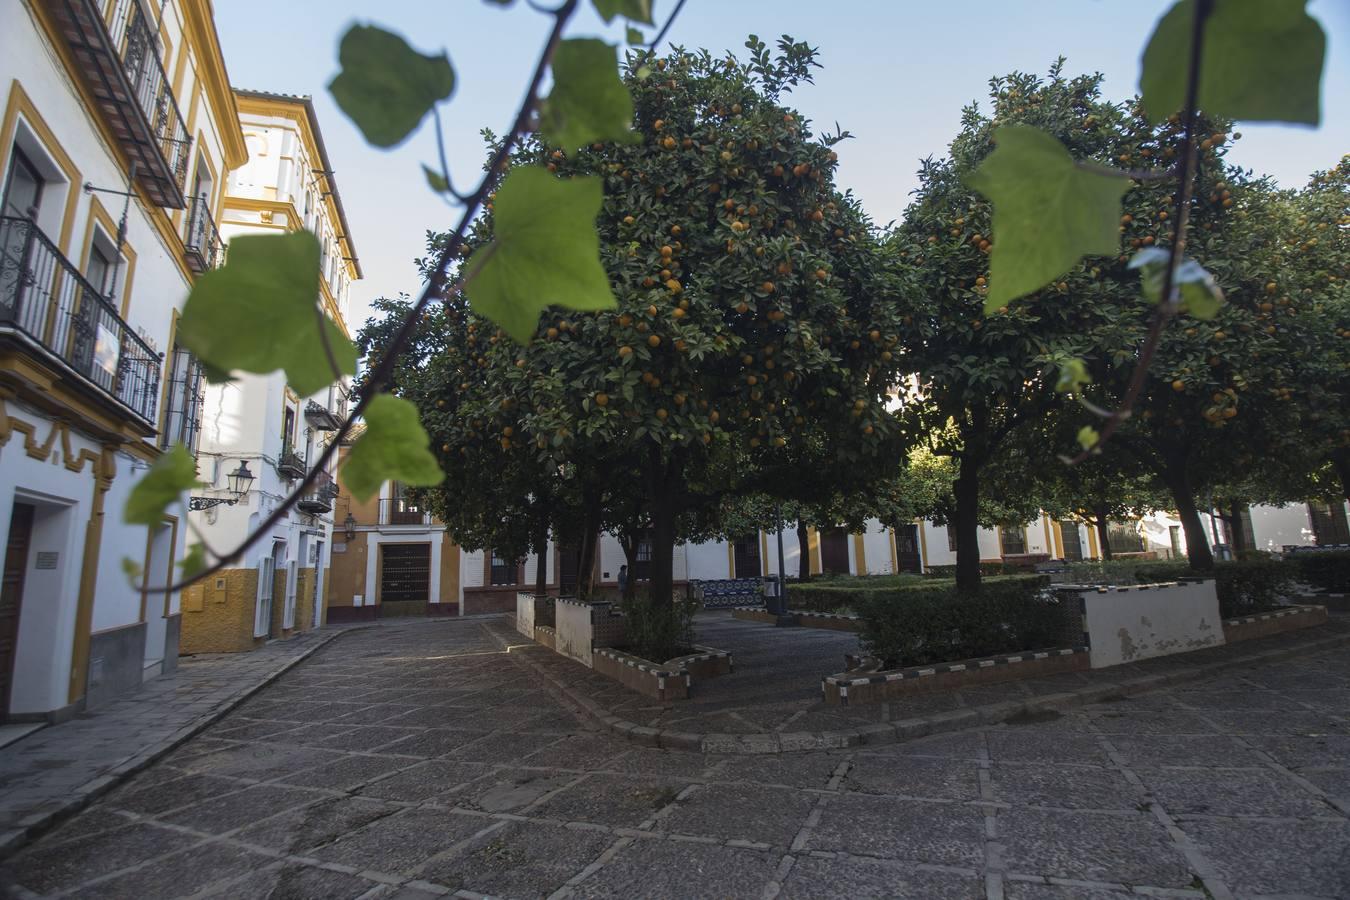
[776,685]
[43,774]
[411,762]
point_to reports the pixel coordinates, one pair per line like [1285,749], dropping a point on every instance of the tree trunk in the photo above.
[804,551]
[1103,534]
[1198,551]
[590,534]
[1235,529]
[541,570]
[660,494]
[967,491]
[1340,461]
[628,541]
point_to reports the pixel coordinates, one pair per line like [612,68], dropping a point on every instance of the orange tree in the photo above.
[754,313]
[980,378]
[1240,403]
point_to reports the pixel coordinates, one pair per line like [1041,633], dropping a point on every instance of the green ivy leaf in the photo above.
[1200,294]
[1088,437]
[394,447]
[1073,374]
[544,251]
[1262,61]
[632,10]
[386,86]
[133,571]
[193,562]
[257,313]
[588,102]
[1048,211]
[435,180]
[169,476]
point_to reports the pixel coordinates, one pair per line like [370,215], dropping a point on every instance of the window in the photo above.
[1124,537]
[182,422]
[1012,539]
[504,571]
[23,188]
[288,429]
[100,270]
[1329,524]
[642,559]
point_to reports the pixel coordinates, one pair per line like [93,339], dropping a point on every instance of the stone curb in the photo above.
[905,729]
[39,822]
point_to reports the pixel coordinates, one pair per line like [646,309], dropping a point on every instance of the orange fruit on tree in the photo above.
[654,340]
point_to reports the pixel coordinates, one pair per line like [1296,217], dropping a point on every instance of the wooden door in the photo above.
[834,551]
[1073,544]
[907,549]
[745,556]
[11,596]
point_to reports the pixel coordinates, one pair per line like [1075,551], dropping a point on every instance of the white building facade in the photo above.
[277,588]
[114,115]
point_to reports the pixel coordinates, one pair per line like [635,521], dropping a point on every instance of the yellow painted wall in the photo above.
[304,600]
[449,570]
[218,614]
[347,575]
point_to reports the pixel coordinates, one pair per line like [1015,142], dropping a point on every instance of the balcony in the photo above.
[290,465]
[320,496]
[46,304]
[201,240]
[320,418]
[118,54]
[400,511]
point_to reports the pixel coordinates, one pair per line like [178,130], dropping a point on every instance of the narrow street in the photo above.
[418,760]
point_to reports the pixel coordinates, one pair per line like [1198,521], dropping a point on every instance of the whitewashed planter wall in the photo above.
[1127,624]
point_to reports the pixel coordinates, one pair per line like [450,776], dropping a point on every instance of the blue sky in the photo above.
[896,74]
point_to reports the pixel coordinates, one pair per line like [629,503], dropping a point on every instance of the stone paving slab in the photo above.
[772,702]
[54,772]
[1049,807]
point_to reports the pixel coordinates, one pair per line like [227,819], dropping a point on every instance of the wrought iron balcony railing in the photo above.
[46,300]
[290,464]
[201,240]
[320,417]
[320,496]
[400,511]
[117,51]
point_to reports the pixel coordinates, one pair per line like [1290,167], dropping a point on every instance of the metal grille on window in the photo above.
[642,562]
[183,423]
[1014,539]
[503,570]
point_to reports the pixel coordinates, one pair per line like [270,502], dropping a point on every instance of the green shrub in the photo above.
[986,568]
[1327,570]
[1120,571]
[658,633]
[931,624]
[1244,586]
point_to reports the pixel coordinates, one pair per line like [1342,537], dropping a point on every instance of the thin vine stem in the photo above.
[381,373]
[1167,304]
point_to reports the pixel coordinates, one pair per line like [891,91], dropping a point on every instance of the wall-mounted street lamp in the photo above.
[349,525]
[240,480]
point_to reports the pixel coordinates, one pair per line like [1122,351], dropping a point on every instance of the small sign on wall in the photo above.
[46,559]
[339,548]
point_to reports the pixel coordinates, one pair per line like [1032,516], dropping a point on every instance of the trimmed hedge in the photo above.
[1244,586]
[1327,570]
[986,568]
[931,624]
[844,593]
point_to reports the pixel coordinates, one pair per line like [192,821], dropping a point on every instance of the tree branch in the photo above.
[380,374]
[1167,303]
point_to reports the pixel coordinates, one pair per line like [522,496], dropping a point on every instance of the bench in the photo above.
[727,592]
